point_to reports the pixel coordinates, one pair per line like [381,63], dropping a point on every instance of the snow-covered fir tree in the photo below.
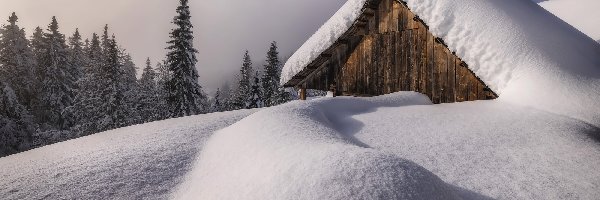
[225,95]
[273,93]
[148,94]
[77,55]
[129,86]
[18,62]
[163,75]
[87,111]
[185,93]
[243,96]
[256,94]
[16,125]
[111,90]
[58,79]
[217,105]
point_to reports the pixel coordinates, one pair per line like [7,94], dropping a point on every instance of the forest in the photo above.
[55,87]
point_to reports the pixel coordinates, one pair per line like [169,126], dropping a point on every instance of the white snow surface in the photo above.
[524,53]
[398,146]
[140,162]
[582,14]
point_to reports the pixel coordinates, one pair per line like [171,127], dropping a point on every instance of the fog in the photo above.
[224,29]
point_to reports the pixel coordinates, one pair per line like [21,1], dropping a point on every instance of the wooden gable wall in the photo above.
[389,49]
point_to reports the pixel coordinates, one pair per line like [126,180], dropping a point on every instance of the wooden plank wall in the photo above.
[396,52]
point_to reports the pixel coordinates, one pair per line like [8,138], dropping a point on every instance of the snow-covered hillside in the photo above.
[139,162]
[398,146]
[582,14]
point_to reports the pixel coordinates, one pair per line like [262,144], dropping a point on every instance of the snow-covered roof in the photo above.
[521,51]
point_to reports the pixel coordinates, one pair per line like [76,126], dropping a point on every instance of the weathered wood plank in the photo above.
[430,66]
[451,79]
[395,16]
[398,53]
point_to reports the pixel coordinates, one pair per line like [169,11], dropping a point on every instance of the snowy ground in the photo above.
[399,146]
[396,146]
[139,162]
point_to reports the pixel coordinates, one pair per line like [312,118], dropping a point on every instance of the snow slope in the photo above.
[582,14]
[139,162]
[524,53]
[398,146]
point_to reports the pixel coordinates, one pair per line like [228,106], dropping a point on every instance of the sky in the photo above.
[223,30]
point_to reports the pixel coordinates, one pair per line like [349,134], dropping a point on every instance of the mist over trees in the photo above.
[55,87]
[255,87]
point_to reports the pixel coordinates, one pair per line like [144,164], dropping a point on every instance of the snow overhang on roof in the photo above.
[322,40]
[521,51]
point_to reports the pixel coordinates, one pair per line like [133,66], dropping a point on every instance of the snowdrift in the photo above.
[398,146]
[524,53]
[306,151]
[139,162]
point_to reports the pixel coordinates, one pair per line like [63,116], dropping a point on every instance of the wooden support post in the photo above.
[303,93]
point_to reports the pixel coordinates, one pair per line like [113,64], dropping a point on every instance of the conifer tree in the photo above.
[243,96]
[185,93]
[129,87]
[77,56]
[38,48]
[217,105]
[18,62]
[58,81]
[87,111]
[16,125]
[148,94]
[110,76]
[163,75]
[226,92]
[273,93]
[256,94]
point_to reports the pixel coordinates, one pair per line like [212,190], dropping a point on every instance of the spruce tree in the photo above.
[273,93]
[226,92]
[163,75]
[38,48]
[243,96]
[185,94]
[87,111]
[18,62]
[217,105]
[129,87]
[256,94]
[58,81]
[16,125]
[148,94]
[77,56]
[114,115]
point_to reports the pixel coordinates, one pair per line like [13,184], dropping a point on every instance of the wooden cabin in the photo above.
[390,49]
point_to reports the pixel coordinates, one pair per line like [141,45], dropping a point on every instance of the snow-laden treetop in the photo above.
[521,51]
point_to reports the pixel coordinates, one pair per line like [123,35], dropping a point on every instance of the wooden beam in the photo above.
[303,93]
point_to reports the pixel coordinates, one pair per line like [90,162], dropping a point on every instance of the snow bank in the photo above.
[492,148]
[302,150]
[524,53]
